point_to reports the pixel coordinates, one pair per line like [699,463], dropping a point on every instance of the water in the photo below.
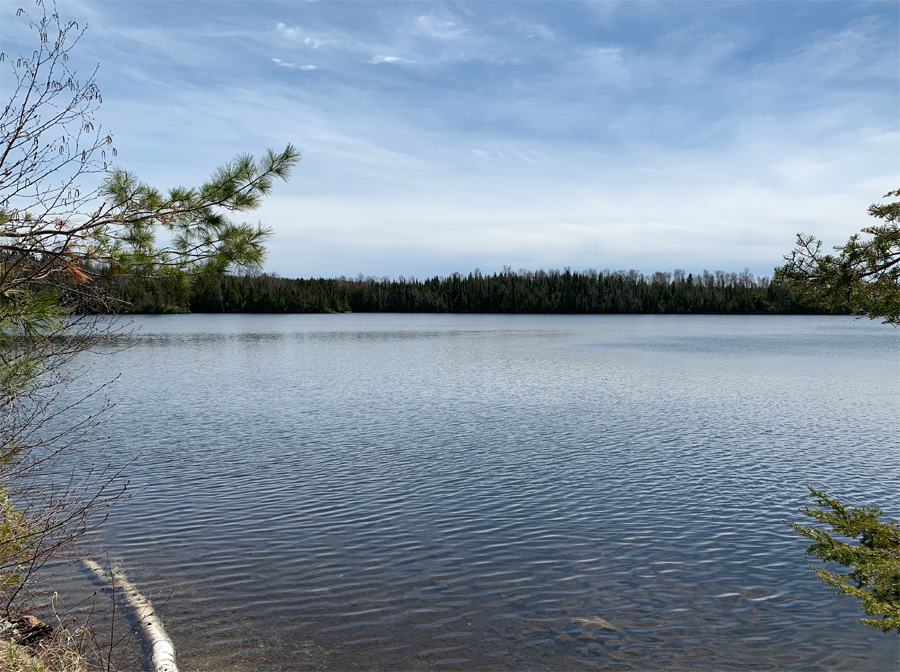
[462,492]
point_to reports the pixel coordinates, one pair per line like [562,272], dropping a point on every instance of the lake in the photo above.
[475,491]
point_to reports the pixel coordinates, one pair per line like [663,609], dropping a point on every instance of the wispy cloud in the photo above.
[856,53]
[529,29]
[388,59]
[645,135]
[313,39]
[441,27]
[292,66]
[606,64]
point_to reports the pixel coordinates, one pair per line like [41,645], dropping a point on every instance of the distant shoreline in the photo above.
[508,292]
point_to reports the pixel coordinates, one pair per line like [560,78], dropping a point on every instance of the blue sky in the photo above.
[441,137]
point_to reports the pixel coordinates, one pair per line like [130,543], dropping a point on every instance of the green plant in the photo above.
[874,560]
[863,276]
[13,542]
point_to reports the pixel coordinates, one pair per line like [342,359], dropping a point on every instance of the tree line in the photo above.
[552,291]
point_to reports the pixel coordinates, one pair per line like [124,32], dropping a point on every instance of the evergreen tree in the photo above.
[865,276]
[875,560]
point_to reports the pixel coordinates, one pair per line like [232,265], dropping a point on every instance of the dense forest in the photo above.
[505,292]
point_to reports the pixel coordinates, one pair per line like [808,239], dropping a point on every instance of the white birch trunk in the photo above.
[162,651]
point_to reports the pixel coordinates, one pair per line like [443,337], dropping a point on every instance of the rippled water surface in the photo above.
[475,492]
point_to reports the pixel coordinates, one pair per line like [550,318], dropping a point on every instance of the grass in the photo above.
[57,657]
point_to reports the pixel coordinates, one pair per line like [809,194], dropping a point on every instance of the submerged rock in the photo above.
[595,622]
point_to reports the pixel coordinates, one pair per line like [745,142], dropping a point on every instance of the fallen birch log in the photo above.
[162,651]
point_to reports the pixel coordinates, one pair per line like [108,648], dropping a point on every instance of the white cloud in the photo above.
[440,38]
[441,28]
[530,29]
[288,32]
[365,180]
[308,38]
[292,66]
[540,31]
[855,53]
[429,39]
[388,59]
[608,63]
[693,57]
[678,148]
[510,154]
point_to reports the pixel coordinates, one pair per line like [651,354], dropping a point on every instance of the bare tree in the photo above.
[69,219]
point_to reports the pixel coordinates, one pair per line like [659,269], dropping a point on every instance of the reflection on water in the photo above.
[498,492]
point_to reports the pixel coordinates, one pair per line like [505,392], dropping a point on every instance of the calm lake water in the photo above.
[473,492]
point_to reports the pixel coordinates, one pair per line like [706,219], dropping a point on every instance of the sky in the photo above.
[444,137]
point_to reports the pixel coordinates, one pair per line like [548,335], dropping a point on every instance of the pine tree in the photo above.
[865,276]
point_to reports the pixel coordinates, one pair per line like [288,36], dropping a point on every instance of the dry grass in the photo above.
[16,658]
[59,656]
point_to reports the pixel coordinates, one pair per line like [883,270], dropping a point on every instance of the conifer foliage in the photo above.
[865,277]
[875,559]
